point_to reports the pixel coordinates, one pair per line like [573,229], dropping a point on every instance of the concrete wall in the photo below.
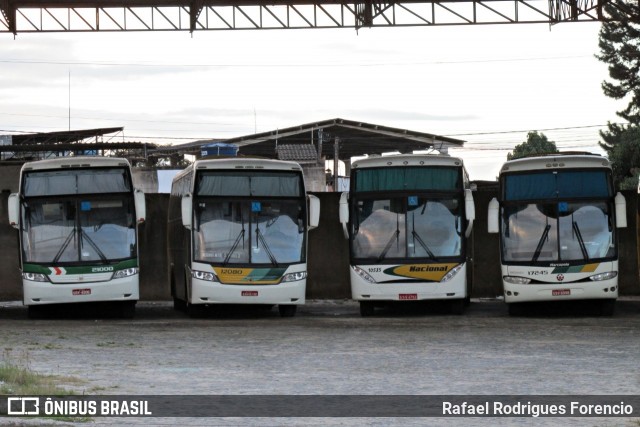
[328,252]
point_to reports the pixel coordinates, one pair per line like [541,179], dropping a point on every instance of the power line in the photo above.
[265,65]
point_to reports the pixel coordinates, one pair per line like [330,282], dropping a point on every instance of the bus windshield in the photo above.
[558,231]
[88,229]
[413,227]
[256,231]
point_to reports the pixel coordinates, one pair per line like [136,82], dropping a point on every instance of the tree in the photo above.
[536,143]
[625,159]
[619,43]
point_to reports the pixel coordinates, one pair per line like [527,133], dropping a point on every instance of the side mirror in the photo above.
[343,212]
[14,210]
[469,211]
[493,216]
[141,206]
[314,211]
[186,206]
[621,211]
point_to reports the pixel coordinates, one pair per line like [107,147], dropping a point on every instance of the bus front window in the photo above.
[78,230]
[558,231]
[243,232]
[409,227]
[585,231]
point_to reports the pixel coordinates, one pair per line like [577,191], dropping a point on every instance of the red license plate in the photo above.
[249,293]
[81,292]
[560,292]
[407,296]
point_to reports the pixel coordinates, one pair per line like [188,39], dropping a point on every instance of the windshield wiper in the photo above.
[416,236]
[393,237]
[583,248]
[260,238]
[386,248]
[545,233]
[94,246]
[235,244]
[64,245]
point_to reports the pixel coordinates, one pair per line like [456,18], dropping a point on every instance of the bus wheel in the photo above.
[515,309]
[366,308]
[36,312]
[287,310]
[194,311]
[179,305]
[127,309]
[457,306]
[607,307]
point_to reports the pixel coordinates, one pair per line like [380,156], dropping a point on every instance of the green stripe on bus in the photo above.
[85,269]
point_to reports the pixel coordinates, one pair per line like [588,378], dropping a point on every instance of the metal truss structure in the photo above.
[22,16]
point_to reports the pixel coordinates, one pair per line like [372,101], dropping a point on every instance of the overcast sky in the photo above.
[487,85]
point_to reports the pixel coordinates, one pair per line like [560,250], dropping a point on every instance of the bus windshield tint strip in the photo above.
[244,183]
[408,178]
[557,184]
[80,181]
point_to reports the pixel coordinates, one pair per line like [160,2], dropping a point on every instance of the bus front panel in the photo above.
[242,285]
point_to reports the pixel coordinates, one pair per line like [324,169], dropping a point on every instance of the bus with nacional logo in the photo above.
[237,234]
[78,232]
[408,219]
[557,217]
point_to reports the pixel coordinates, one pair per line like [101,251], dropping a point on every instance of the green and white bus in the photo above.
[557,217]
[408,219]
[77,219]
[237,234]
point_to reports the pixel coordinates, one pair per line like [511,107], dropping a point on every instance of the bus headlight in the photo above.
[516,280]
[604,276]
[125,273]
[366,276]
[451,274]
[294,277]
[204,275]
[35,277]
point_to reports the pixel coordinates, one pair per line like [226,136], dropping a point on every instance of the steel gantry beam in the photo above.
[21,16]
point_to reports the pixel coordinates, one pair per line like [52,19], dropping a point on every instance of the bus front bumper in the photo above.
[42,293]
[605,289]
[206,292]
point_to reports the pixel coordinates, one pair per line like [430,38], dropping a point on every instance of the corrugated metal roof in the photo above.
[297,152]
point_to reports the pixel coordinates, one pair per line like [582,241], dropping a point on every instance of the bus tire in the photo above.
[127,309]
[457,306]
[607,307]
[179,305]
[515,309]
[287,310]
[36,312]
[367,308]
[196,311]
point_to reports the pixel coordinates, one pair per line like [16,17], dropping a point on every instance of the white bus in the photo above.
[407,218]
[237,234]
[77,219]
[557,217]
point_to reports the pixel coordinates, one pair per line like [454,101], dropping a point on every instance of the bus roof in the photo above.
[407,160]
[555,162]
[75,162]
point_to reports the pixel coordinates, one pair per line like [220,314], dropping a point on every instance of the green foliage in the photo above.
[625,158]
[536,143]
[619,43]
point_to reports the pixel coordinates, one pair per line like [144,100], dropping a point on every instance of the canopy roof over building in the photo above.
[354,139]
[62,137]
[43,144]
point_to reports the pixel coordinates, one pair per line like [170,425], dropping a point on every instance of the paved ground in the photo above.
[329,349]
